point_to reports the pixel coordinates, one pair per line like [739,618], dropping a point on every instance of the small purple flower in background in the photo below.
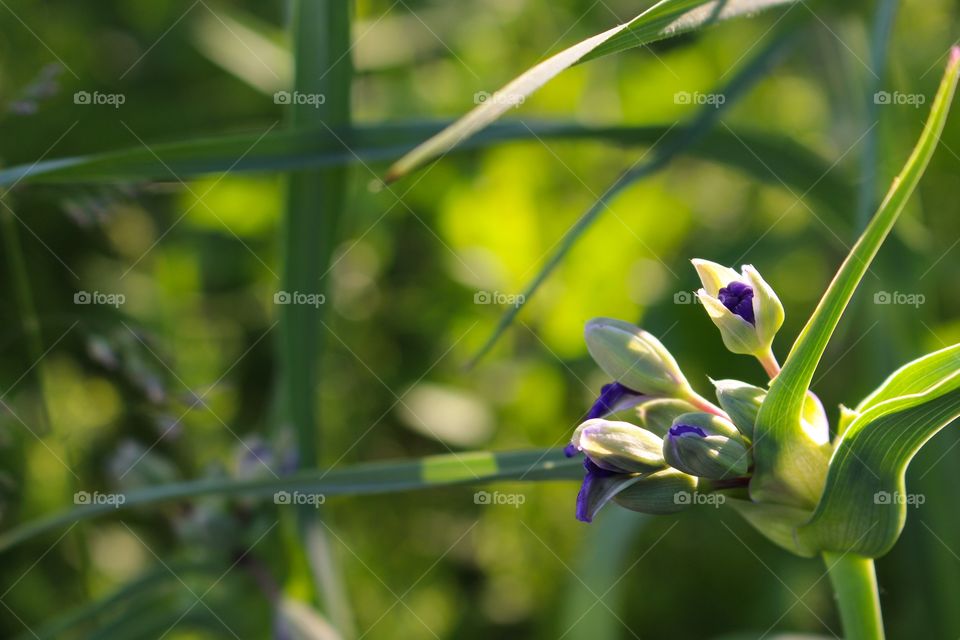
[738,297]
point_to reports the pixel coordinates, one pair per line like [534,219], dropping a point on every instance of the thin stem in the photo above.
[703,404]
[770,364]
[854,583]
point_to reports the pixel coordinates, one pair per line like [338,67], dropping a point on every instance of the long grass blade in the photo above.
[362,479]
[665,19]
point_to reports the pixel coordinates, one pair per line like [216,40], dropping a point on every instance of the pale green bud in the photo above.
[620,446]
[634,358]
[706,445]
[658,415]
[741,401]
[660,493]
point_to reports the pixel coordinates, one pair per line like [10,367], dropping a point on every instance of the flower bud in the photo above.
[658,415]
[613,397]
[706,445]
[620,446]
[634,358]
[741,401]
[660,493]
[815,422]
[742,305]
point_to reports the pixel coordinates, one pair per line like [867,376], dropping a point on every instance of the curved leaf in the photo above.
[915,377]
[864,505]
[361,479]
[665,19]
[789,467]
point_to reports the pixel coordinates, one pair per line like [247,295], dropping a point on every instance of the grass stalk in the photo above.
[322,73]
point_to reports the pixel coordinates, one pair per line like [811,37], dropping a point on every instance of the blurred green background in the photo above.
[184,370]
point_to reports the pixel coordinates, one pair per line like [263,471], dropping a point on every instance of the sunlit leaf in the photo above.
[865,502]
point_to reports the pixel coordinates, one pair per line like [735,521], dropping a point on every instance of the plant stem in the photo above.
[322,70]
[854,582]
[703,404]
[770,364]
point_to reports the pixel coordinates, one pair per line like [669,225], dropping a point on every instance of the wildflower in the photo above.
[744,308]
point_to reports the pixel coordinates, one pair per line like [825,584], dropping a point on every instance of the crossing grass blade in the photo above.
[665,19]
[761,155]
[362,479]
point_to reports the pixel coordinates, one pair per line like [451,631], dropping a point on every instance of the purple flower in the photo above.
[613,397]
[738,298]
[591,496]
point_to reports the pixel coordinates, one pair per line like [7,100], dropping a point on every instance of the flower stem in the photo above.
[855,585]
[770,364]
[703,404]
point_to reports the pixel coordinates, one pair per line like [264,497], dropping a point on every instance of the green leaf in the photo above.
[915,377]
[362,479]
[663,20]
[864,504]
[762,155]
[790,467]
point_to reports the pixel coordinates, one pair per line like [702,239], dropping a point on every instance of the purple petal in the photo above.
[592,484]
[680,430]
[570,450]
[738,298]
[613,397]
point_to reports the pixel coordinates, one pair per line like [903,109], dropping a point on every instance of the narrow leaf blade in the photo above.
[664,19]
[362,479]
